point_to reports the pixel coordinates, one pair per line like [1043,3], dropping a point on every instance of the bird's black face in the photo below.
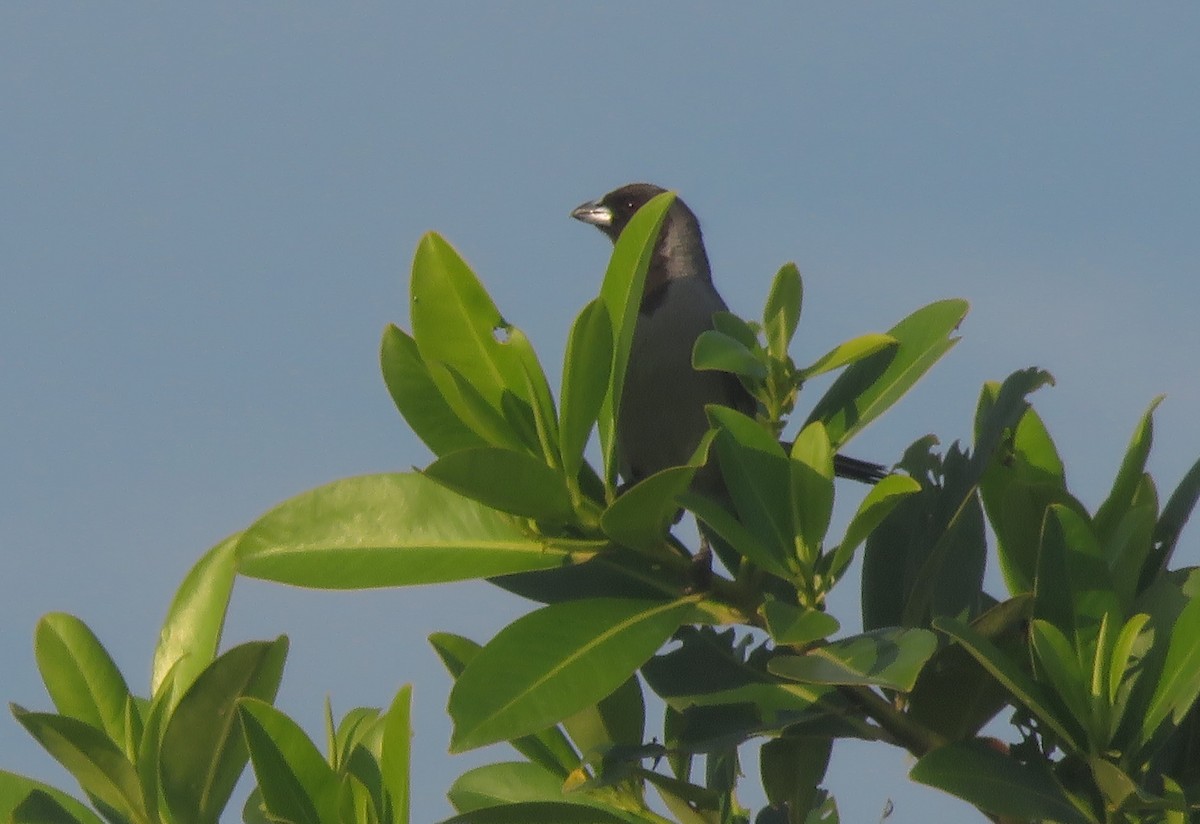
[612,213]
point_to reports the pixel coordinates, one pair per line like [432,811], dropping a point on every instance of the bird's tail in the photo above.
[863,471]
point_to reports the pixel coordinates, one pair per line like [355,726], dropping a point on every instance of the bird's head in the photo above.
[680,249]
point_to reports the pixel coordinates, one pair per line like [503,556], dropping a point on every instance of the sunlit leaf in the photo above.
[586,365]
[849,352]
[513,482]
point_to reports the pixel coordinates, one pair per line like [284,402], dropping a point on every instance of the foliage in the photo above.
[1095,650]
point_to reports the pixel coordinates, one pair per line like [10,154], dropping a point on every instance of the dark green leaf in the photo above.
[40,807]
[15,790]
[586,364]
[80,676]
[296,784]
[553,662]
[418,398]
[790,624]
[619,718]
[756,473]
[512,482]
[868,387]
[792,770]
[203,752]
[877,505]
[1170,523]
[387,530]
[731,529]
[889,658]
[996,783]
[1179,684]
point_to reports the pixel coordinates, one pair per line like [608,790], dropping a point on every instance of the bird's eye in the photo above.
[630,206]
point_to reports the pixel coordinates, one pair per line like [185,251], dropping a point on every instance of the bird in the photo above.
[661,418]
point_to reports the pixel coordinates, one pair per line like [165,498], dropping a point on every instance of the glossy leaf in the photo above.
[548,748]
[889,658]
[504,783]
[868,387]
[418,397]
[456,324]
[79,674]
[716,350]
[756,475]
[586,365]
[996,783]
[97,762]
[296,783]
[512,482]
[781,313]
[553,662]
[203,752]
[387,530]
[191,633]
[847,353]
[810,466]
[621,294]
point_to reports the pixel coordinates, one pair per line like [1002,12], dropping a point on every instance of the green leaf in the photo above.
[717,351]
[849,352]
[543,812]
[296,783]
[395,762]
[621,294]
[548,748]
[618,718]
[996,783]
[553,662]
[512,482]
[756,473]
[1179,684]
[456,324]
[511,427]
[387,530]
[1129,476]
[80,676]
[97,763]
[640,517]
[504,783]
[1061,665]
[890,658]
[781,314]
[1170,523]
[17,790]
[202,752]
[792,770]
[790,624]
[1127,548]
[191,633]
[1021,686]
[418,397]
[867,388]
[877,505]
[810,465]
[586,365]
[732,530]
[541,400]
[1071,564]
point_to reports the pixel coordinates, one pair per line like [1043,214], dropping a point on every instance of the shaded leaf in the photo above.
[718,351]
[512,482]
[889,658]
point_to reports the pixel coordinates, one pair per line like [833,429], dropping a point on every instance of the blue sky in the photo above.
[209,215]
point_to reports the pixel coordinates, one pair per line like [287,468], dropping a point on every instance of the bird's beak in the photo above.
[593,212]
